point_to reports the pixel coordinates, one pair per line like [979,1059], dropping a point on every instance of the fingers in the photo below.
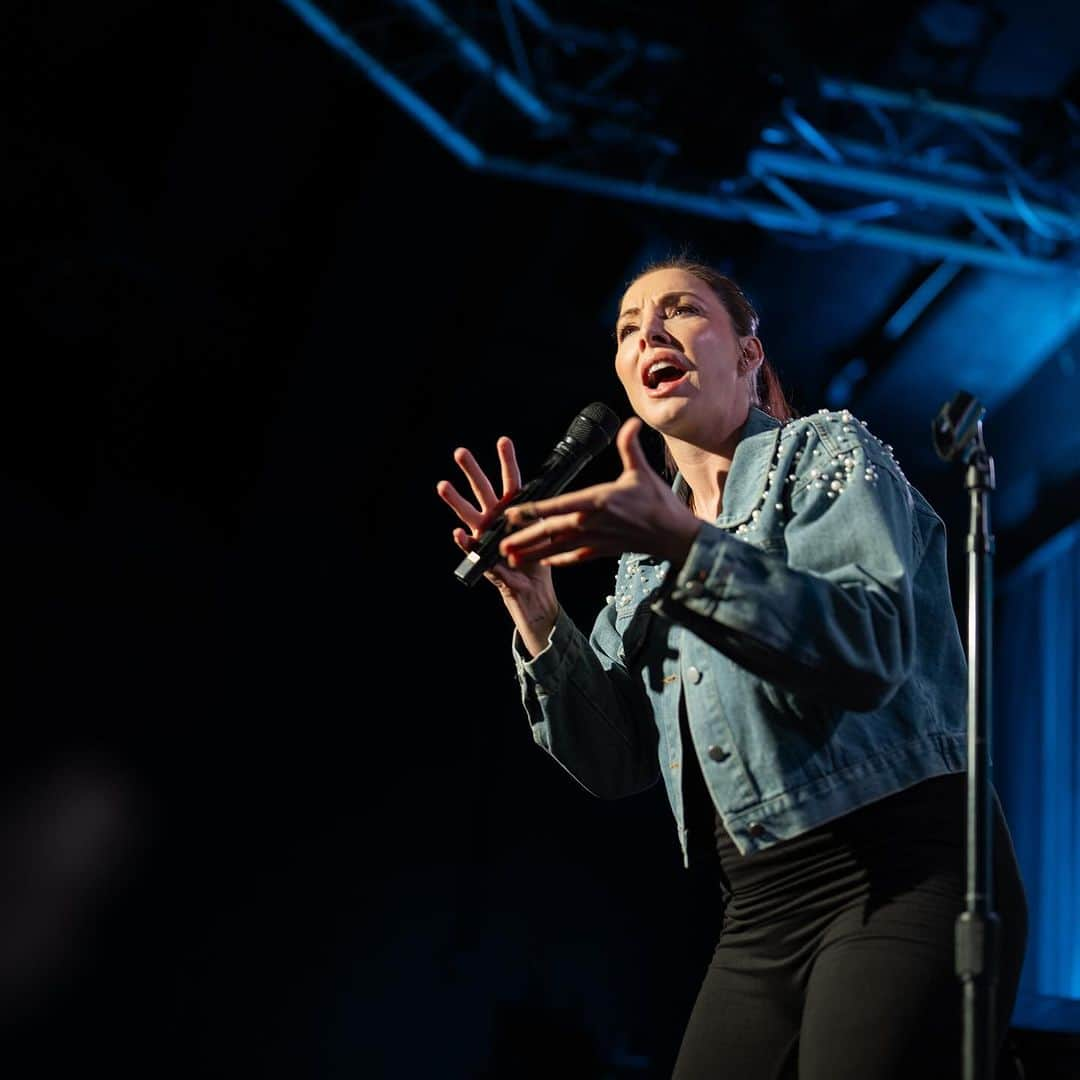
[482,488]
[511,474]
[628,443]
[461,506]
[559,551]
[573,502]
[463,540]
[547,536]
[567,558]
[587,499]
[527,543]
[478,481]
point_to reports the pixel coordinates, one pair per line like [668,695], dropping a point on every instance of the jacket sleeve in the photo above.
[587,711]
[831,616]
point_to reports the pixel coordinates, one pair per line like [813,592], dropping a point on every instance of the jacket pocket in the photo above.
[805,728]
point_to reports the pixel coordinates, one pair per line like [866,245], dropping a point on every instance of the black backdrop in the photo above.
[272,807]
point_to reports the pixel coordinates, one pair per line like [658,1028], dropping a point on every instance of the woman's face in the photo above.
[678,356]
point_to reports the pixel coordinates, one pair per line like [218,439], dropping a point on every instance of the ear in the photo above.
[752,354]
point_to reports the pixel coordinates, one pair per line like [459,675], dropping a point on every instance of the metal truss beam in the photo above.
[923,158]
[476,58]
[876,97]
[909,187]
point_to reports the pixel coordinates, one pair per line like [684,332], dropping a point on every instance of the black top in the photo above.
[925,823]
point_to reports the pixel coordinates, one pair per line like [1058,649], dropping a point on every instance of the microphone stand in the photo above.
[957,434]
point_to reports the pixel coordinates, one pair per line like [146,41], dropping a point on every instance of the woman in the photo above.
[781,649]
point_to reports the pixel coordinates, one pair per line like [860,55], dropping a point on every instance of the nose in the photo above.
[653,331]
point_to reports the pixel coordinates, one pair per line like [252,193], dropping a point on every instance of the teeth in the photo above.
[654,369]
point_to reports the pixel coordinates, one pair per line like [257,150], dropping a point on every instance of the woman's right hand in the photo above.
[528,591]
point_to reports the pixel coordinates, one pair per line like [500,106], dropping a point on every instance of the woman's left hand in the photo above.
[636,512]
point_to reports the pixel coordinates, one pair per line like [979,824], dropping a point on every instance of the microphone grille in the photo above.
[596,425]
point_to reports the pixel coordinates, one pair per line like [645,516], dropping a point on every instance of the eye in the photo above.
[626,328]
[682,309]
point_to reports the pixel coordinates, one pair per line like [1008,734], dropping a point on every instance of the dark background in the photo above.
[271,803]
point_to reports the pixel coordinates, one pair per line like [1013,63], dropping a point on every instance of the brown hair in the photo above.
[766,391]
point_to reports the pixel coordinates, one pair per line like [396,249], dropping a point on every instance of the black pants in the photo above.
[836,956]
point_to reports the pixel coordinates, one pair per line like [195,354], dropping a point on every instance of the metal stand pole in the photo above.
[957,433]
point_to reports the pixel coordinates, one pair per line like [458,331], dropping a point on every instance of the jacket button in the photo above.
[756,829]
[718,753]
[693,674]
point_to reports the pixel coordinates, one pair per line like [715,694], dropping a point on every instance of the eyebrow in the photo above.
[665,299]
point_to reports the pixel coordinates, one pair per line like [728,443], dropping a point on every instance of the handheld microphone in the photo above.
[590,432]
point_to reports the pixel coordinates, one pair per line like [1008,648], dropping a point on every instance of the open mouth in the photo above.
[661,373]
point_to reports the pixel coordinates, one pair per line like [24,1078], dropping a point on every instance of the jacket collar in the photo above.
[749,475]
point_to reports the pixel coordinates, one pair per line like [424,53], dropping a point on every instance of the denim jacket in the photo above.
[809,636]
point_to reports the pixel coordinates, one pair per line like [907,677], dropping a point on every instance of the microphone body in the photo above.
[589,433]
